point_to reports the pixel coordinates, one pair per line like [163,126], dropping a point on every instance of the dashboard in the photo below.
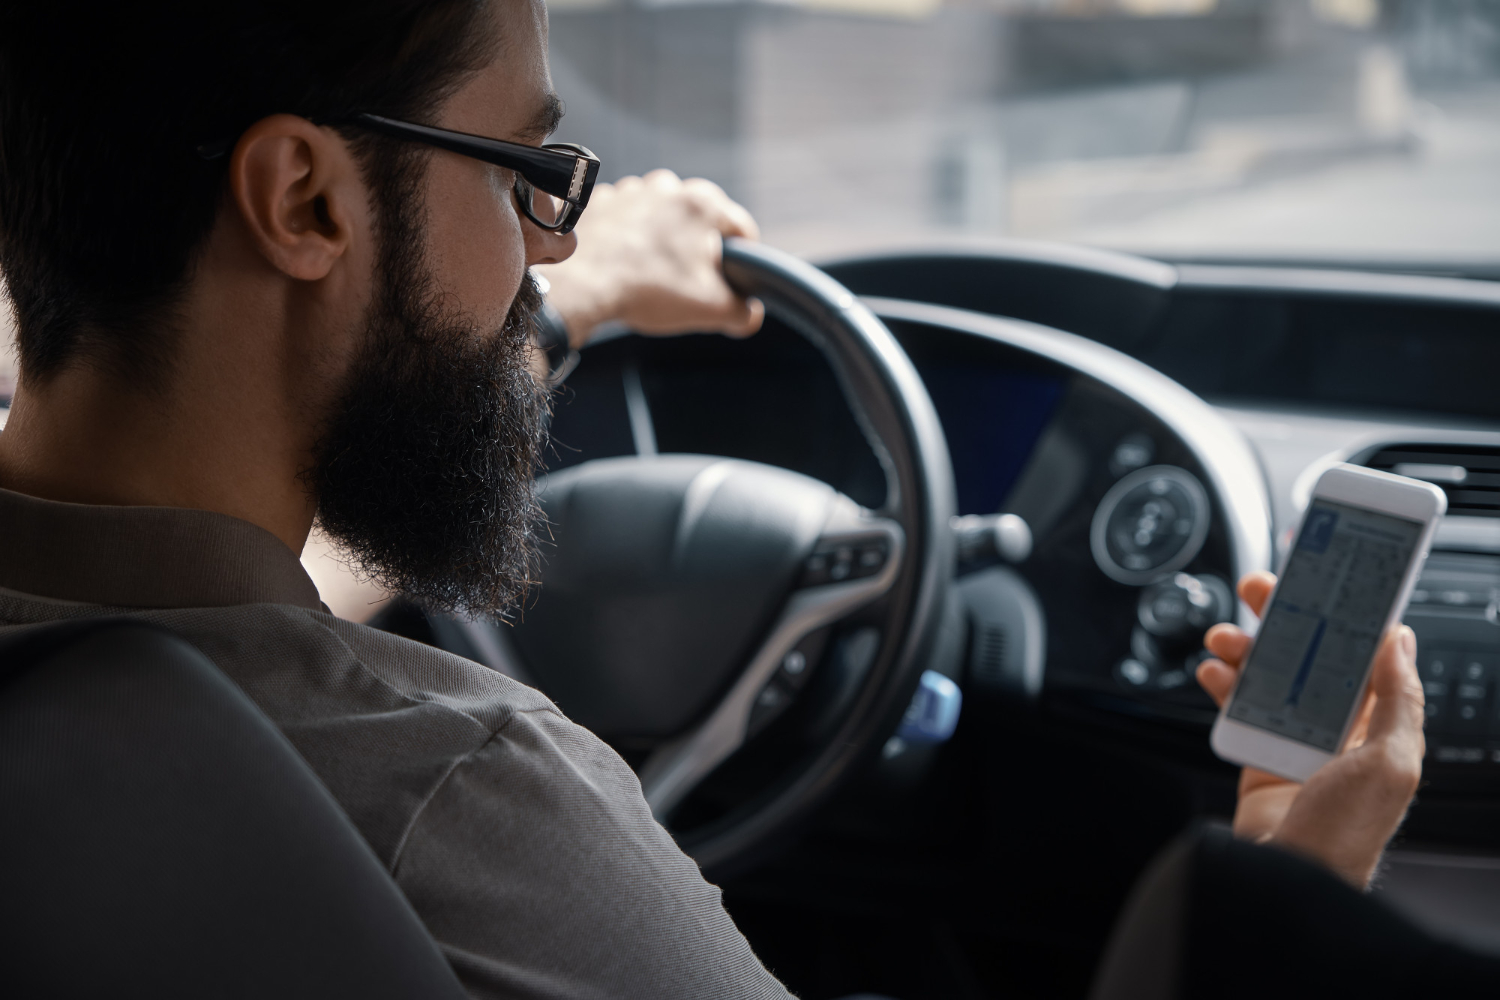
[1312,367]
[1159,428]
[1126,509]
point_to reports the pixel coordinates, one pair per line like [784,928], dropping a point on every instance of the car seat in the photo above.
[161,837]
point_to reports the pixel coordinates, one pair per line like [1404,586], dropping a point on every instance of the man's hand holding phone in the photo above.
[1347,811]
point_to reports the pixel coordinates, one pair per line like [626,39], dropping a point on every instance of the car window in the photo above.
[1354,130]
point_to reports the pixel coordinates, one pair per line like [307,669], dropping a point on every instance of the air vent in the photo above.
[1469,474]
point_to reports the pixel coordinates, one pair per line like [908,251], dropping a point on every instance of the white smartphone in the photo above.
[1347,579]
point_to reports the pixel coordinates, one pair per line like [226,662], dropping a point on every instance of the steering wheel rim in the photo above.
[610,506]
[890,402]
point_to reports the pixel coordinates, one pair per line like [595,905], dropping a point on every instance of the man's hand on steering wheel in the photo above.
[1350,808]
[649,255]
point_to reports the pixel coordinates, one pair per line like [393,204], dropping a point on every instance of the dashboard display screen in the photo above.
[1310,657]
[992,419]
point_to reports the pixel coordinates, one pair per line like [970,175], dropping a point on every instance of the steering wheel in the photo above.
[686,599]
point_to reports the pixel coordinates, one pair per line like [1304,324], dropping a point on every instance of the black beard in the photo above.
[425,473]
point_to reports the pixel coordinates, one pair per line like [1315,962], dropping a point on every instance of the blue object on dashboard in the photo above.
[933,714]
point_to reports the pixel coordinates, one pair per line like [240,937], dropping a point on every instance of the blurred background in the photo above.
[1312,131]
[1322,130]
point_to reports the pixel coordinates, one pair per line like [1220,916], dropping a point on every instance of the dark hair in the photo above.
[104,198]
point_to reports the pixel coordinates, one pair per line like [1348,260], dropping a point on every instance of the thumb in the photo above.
[1352,805]
[1399,709]
[744,318]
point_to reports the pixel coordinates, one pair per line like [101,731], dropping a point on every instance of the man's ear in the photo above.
[299,193]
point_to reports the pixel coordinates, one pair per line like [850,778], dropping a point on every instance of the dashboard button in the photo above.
[1469,693]
[1183,606]
[1459,755]
[1133,451]
[1132,673]
[1437,669]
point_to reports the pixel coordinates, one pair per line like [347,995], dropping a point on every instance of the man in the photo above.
[243,304]
[236,310]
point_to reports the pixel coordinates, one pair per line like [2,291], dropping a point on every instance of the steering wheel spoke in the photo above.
[854,561]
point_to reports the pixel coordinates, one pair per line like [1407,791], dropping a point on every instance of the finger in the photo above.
[728,216]
[742,318]
[1228,642]
[662,178]
[704,189]
[1255,589]
[753,321]
[1217,678]
[736,220]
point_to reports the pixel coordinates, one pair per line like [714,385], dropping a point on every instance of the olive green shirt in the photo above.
[521,839]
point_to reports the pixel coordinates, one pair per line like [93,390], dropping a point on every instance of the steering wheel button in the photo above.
[771,702]
[815,570]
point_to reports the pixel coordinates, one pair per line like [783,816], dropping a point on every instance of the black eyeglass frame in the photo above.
[564,170]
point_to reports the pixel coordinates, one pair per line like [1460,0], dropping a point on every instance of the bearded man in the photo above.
[253,290]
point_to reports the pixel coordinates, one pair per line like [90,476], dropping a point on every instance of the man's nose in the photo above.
[544,247]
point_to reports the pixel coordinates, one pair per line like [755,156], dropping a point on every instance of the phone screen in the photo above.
[1308,662]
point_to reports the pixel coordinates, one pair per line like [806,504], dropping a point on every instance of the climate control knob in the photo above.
[1183,606]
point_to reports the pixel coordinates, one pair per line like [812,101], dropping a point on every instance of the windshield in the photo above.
[1355,132]
[1351,131]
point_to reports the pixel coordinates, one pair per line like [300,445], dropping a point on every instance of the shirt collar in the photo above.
[144,557]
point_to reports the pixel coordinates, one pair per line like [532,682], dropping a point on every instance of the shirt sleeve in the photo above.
[540,871]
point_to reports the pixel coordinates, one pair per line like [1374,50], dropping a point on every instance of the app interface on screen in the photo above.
[1320,634]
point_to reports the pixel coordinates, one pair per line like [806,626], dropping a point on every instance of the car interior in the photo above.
[1070,385]
[853,596]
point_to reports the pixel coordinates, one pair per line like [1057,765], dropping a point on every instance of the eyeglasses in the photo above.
[553,182]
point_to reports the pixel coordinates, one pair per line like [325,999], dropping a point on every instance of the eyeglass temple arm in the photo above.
[567,175]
